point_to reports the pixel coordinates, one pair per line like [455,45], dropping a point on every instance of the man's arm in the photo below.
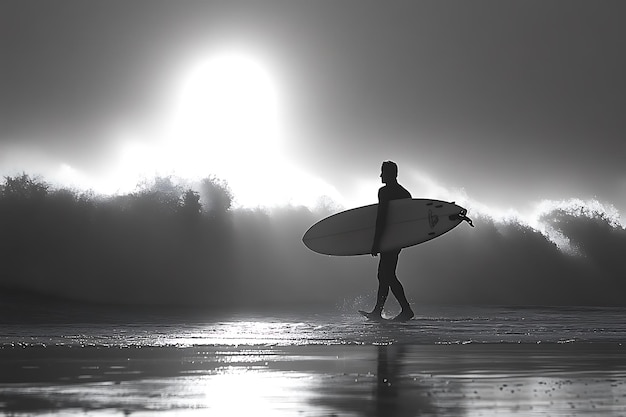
[381,217]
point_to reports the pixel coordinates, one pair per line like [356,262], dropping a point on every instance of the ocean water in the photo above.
[80,325]
[76,360]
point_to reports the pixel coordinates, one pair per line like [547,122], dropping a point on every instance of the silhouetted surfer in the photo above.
[387,278]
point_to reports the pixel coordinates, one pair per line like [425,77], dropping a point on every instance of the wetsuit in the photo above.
[387,278]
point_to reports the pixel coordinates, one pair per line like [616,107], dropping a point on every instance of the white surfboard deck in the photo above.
[409,222]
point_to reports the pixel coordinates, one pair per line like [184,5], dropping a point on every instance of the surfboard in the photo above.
[409,222]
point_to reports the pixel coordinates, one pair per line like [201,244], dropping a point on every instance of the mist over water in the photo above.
[171,245]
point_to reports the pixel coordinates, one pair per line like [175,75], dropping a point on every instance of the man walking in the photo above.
[387,279]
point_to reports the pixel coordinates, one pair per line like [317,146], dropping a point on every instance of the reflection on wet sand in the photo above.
[385,390]
[394,396]
[392,380]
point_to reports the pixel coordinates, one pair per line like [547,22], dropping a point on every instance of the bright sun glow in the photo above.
[227,111]
[226,120]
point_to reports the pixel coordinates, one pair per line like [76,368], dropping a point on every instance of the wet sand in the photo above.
[316,380]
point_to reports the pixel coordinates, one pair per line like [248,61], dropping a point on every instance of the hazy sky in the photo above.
[508,102]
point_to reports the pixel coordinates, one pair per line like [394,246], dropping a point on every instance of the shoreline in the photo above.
[310,380]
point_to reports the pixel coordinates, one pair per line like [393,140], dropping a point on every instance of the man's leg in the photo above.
[381,297]
[386,272]
[398,291]
[396,286]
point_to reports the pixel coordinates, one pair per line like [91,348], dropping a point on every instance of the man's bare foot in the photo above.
[405,315]
[374,315]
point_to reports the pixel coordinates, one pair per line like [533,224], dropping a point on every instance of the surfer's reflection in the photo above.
[392,393]
[396,395]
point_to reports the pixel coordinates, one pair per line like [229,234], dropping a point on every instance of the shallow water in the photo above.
[69,326]
[448,361]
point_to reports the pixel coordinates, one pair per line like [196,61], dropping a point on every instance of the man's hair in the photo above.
[391,167]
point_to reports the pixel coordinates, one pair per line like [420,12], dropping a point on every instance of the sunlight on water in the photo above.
[258,333]
[460,325]
[447,362]
[240,392]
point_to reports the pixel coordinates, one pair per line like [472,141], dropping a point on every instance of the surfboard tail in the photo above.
[462,216]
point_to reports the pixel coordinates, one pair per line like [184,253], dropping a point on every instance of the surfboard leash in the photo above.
[462,216]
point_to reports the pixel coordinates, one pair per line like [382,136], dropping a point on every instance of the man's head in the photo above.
[388,172]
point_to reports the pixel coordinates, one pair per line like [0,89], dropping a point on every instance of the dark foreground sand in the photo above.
[322,380]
